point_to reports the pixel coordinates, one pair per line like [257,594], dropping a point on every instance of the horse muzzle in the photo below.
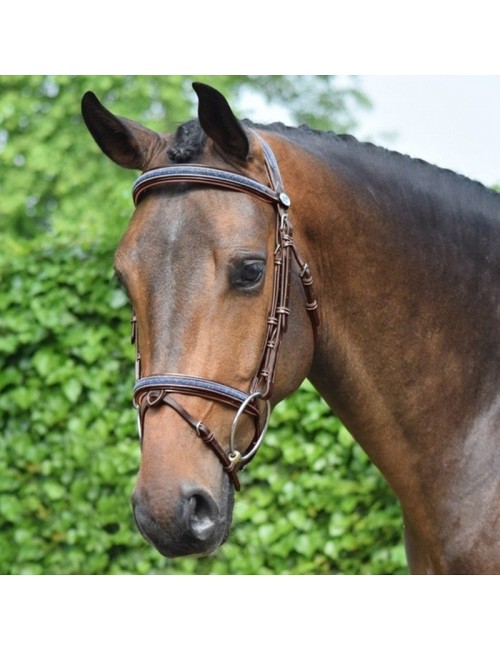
[195,524]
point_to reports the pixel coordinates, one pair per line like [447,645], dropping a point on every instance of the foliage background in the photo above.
[312,503]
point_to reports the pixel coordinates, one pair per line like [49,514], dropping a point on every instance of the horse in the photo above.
[259,255]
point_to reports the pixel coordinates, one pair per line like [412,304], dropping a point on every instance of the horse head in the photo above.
[210,269]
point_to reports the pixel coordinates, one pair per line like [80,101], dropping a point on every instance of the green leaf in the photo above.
[45,361]
[54,491]
[72,388]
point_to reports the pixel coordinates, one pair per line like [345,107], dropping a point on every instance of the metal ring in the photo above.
[139,424]
[244,458]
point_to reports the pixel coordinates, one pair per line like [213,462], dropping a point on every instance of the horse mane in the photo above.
[189,138]
[347,146]
[372,162]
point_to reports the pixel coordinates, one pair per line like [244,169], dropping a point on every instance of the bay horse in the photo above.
[386,295]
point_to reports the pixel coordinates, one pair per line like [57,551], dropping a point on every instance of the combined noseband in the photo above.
[156,390]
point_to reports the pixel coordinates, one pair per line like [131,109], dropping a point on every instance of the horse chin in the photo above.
[198,525]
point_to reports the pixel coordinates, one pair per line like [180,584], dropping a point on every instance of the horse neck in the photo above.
[409,300]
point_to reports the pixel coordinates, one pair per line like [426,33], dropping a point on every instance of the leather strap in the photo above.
[155,397]
[204,175]
[196,386]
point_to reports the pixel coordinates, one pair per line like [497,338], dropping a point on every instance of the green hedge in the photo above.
[311,500]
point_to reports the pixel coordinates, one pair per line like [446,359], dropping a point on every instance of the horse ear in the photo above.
[219,122]
[126,142]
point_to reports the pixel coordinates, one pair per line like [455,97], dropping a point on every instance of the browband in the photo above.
[209,176]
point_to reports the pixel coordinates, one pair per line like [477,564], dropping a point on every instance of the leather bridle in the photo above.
[156,390]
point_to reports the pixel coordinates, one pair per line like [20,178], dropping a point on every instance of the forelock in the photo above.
[188,143]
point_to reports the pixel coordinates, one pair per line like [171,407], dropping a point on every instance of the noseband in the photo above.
[156,390]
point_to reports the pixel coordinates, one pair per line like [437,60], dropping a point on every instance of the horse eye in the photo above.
[249,274]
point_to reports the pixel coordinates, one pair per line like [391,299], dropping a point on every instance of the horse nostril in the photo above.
[201,514]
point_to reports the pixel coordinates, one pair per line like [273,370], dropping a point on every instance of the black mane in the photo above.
[377,165]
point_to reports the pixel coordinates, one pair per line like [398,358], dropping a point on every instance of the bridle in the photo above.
[156,390]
